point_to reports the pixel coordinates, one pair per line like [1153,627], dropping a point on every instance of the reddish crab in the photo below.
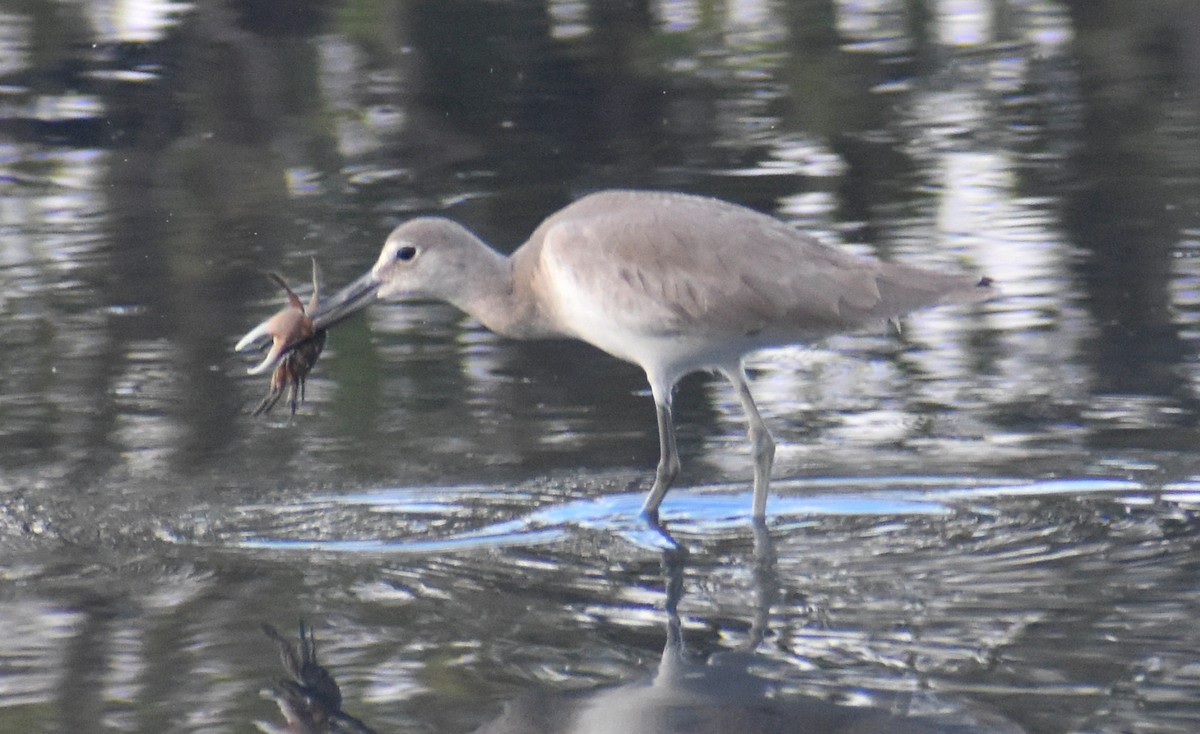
[294,348]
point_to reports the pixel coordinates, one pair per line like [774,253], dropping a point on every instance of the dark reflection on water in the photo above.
[681,695]
[455,509]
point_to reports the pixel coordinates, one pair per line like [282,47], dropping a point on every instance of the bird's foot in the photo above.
[665,540]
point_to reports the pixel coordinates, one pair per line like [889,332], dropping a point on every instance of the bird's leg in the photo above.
[668,462]
[674,563]
[765,583]
[763,445]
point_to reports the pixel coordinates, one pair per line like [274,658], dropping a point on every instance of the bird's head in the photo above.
[428,258]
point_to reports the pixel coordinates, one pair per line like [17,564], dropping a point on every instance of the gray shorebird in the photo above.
[672,282]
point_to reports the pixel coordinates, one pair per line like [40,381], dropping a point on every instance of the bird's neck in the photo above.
[502,298]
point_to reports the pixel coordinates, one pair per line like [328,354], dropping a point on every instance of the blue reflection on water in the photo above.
[694,512]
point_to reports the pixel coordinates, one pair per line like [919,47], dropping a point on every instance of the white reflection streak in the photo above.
[364,121]
[1009,239]
[15,43]
[753,29]
[134,21]
[145,429]
[1185,295]
[752,14]
[678,15]
[1185,285]
[339,63]
[861,20]
[873,25]
[127,669]
[79,169]
[964,22]
[749,58]
[568,19]
[1049,28]
[33,647]
[69,211]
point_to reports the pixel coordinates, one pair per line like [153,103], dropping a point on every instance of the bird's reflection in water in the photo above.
[716,697]
[309,698]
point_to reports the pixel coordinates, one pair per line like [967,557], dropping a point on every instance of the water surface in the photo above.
[985,520]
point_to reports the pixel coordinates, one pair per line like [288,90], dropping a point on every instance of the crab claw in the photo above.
[286,329]
[272,359]
[253,336]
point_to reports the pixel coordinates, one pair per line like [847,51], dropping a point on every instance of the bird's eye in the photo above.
[407,252]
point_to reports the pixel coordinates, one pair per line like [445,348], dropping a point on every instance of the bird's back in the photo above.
[660,265]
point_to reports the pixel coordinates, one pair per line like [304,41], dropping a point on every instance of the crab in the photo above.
[295,345]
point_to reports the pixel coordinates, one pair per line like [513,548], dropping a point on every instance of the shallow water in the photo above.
[985,521]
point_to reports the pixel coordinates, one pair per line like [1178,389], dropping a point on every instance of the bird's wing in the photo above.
[684,264]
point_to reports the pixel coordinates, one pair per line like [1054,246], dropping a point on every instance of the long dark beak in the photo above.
[345,303]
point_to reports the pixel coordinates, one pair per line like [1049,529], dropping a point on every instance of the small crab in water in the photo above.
[294,348]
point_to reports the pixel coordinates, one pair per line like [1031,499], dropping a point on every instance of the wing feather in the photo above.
[674,264]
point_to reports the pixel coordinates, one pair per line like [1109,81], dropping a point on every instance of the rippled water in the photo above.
[983,522]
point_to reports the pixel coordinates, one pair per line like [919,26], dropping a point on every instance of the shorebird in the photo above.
[672,282]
